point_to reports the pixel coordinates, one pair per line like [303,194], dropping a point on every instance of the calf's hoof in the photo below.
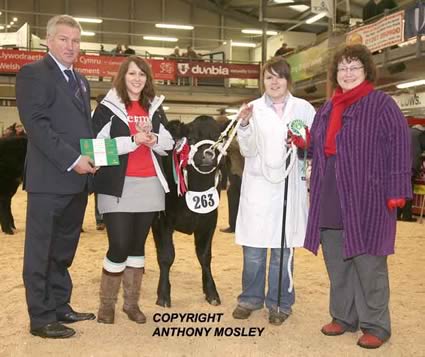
[215,301]
[8,231]
[163,302]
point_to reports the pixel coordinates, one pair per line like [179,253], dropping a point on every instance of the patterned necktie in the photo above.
[75,88]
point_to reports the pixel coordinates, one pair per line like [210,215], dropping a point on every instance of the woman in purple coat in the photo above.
[361,172]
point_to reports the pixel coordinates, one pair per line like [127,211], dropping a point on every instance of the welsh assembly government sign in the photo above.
[107,66]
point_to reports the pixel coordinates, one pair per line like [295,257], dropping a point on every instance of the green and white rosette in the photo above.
[297,127]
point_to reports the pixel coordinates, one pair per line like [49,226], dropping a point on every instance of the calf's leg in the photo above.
[163,237]
[6,225]
[9,213]
[203,242]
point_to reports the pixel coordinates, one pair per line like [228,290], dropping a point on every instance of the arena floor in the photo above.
[299,336]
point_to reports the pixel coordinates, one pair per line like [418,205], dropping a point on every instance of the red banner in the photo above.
[90,65]
[223,70]
[107,66]
[11,61]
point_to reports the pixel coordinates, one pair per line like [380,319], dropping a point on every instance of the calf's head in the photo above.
[201,133]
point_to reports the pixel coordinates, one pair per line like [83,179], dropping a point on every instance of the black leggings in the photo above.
[127,233]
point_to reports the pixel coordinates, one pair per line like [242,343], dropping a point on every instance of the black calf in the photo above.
[177,215]
[12,157]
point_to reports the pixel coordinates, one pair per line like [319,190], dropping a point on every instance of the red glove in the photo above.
[299,141]
[395,202]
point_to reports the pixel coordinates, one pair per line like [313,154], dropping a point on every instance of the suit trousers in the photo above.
[359,287]
[53,230]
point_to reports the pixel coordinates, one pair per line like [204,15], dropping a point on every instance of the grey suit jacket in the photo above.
[55,123]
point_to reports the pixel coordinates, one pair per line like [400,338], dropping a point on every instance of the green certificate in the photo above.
[102,151]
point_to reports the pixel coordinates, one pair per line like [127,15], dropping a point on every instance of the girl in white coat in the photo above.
[263,142]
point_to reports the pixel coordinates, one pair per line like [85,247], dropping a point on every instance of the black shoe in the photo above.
[74,316]
[227,230]
[277,318]
[53,330]
[241,313]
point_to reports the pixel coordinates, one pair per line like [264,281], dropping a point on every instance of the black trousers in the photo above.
[127,233]
[53,230]
[233,196]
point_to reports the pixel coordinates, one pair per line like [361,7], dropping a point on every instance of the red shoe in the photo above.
[333,329]
[369,341]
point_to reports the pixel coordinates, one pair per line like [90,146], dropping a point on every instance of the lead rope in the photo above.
[291,278]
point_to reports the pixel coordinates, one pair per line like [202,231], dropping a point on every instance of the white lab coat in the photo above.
[262,143]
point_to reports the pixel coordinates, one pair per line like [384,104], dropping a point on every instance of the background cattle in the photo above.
[177,215]
[12,157]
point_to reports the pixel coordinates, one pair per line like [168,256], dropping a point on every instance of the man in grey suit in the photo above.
[54,105]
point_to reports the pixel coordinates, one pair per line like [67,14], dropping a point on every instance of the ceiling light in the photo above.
[88,33]
[259,32]
[160,38]
[242,44]
[176,27]
[165,108]
[12,22]
[420,82]
[15,19]
[1,27]
[299,8]
[316,17]
[89,20]
[8,26]
[231,110]
[283,1]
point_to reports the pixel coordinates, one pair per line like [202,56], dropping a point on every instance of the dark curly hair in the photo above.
[148,92]
[353,53]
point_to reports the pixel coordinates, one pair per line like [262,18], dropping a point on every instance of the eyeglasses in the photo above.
[349,69]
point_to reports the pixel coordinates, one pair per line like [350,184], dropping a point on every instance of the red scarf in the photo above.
[340,102]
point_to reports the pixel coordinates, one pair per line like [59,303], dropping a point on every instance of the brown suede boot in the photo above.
[132,281]
[109,287]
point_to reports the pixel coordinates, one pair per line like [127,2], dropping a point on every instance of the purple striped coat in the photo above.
[372,165]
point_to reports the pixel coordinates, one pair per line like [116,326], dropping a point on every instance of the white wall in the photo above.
[7,38]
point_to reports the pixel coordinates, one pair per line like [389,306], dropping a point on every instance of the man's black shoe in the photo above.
[227,230]
[74,316]
[53,330]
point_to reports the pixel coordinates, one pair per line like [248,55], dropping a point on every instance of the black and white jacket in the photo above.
[110,120]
